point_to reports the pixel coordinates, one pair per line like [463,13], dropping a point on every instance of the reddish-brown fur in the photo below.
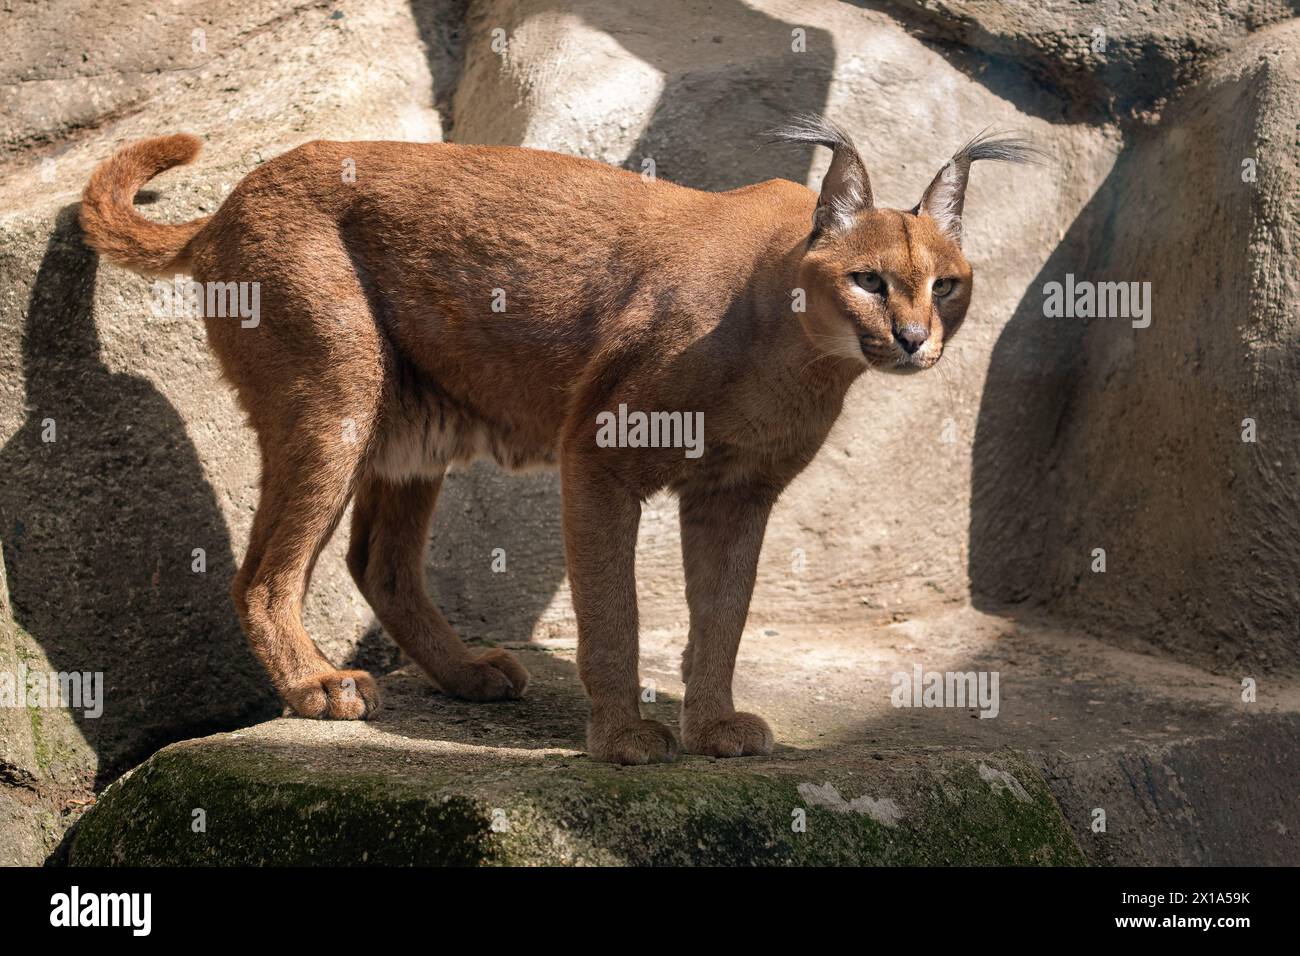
[379,360]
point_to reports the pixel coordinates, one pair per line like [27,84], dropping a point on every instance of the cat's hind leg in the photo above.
[390,530]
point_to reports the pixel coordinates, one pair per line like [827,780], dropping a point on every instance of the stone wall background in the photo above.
[1068,435]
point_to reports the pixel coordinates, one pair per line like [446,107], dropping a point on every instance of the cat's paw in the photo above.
[335,695]
[496,675]
[739,735]
[645,741]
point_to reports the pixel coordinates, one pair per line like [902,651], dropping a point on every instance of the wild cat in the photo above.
[450,302]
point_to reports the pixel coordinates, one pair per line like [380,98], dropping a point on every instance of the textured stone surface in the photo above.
[1120,60]
[435,781]
[1067,435]
[1184,771]
[1094,434]
[269,805]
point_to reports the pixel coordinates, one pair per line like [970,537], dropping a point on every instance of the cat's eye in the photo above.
[942,287]
[869,282]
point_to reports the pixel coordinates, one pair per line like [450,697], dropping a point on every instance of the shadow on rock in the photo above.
[102,503]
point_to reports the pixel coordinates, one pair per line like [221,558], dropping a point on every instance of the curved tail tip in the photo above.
[176,149]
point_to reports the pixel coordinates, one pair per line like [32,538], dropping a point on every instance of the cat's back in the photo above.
[453,180]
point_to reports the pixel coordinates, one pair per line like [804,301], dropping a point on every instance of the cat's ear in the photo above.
[946,194]
[846,188]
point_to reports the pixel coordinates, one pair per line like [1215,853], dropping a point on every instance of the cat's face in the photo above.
[891,289]
[885,287]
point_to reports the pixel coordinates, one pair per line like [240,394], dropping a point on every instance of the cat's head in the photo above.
[888,287]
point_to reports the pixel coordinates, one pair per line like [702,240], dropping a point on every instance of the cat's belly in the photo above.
[422,434]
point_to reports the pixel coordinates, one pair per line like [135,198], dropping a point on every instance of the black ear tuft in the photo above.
[946,194]
[1010,148]
[846,188]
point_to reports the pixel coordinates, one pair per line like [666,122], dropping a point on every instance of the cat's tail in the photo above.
[109,221]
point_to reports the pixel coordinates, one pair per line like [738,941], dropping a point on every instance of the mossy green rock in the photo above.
[258,799]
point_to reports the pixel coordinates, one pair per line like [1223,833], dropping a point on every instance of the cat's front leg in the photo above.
[722,534]
[601,517]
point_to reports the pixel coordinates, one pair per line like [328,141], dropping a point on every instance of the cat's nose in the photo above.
[911,337]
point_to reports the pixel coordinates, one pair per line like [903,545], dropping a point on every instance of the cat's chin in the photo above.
[894,368]
[899,364]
